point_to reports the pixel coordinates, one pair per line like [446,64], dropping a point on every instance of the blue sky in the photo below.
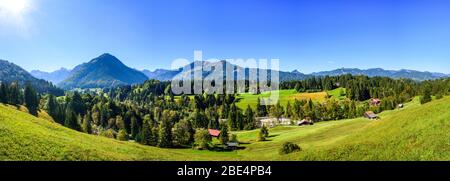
[309,36]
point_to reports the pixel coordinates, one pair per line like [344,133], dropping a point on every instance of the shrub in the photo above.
[233,138]
[108,133]
[202,139]
[263,133]
[439,96]
[122,135]
[289,147]
[261,136]
[183,133]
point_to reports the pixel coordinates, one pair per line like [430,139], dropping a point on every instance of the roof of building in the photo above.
[214,132]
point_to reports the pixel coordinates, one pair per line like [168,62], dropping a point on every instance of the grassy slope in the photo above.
[414,133]
[284,97]
[24,137]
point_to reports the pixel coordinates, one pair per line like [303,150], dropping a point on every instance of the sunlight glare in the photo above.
[16,7]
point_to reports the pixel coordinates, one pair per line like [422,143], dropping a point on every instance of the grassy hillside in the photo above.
[417,132]
[25,137]
[288,95]
[284,97]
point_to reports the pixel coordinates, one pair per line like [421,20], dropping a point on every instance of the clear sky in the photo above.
[309,36]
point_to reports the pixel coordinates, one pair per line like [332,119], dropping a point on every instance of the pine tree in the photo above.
[14,94]
[4,93]
[288,113]
[31,100]
[261,109]
[165,130]
[134,127]
[426,95]
[146,135]
[223,137]
[51,106]
[71,120]
[87,123]
[249,122]
[232,118]
[277,111]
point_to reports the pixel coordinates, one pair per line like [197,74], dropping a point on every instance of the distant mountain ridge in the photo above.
[188,70]
[162,74]
[403,73]
[10,72]
[108,71]
[55,77]
[102,72]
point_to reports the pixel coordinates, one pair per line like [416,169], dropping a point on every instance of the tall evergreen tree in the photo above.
[232,118]
[147,137]
[4,93]
[426,95]
[87,123]
[165,130]
[71,120]
[261,110]
[223,137]
[14,94]
[31,100]
[249,120]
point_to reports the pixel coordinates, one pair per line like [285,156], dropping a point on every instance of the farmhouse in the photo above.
[370,115]
[214,132]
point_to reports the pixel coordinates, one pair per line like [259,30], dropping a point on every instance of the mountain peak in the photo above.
[103,71]
[106,58]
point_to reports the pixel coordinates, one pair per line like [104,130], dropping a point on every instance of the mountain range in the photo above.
[409,74]
[55,77]
[108,71]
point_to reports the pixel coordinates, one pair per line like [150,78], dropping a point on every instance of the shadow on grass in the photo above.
[226,149]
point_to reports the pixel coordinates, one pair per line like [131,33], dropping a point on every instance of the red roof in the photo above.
[214,132]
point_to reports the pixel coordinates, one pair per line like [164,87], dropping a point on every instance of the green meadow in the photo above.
[289,95]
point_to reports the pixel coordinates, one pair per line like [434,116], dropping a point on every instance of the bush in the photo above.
[233,138]
[261,136]
[183,133]
[263,133]
[289,147]
[439,96]
[122,135]
[108,133]
[202,139]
